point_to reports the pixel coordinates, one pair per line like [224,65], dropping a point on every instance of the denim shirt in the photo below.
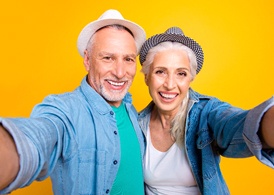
[215,128]
[73,138]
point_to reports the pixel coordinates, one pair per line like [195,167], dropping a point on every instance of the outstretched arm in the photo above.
[9,159]
[266,132]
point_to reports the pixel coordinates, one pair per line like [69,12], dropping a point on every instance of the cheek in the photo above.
[154,85]
[184,86]
[132,71]
[101,69]
[157,81]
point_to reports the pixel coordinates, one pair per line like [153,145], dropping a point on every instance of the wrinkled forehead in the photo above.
[114,41]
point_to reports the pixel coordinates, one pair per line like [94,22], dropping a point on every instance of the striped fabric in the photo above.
[173,34]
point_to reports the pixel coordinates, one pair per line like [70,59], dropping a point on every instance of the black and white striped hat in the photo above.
[173,34]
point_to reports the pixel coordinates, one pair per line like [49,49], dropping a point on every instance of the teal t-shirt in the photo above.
[129,179]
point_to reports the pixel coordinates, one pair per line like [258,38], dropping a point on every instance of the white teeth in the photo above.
[168,96]
[117,84]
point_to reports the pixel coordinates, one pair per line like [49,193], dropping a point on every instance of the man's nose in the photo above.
[119,69]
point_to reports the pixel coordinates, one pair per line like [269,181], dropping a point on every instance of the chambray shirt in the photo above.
[215,128]
[73,138]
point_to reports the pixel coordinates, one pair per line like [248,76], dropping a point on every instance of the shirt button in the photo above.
[115,162]
[115,132]
[107,191]
[111,112]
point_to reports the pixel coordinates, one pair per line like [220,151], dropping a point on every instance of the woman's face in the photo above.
[168,79]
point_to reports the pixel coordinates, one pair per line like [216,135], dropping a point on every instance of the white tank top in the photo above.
[168,172]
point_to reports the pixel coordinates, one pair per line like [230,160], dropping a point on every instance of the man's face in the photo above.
[111,64]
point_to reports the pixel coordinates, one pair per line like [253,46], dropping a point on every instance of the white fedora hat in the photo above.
[110,17]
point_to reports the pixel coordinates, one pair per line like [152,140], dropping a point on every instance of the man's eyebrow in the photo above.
[131,55]
[102,53]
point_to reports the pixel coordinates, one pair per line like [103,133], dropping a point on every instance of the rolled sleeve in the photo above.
[251,127]
[28,157]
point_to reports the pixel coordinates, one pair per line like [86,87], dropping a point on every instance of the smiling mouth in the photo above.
[116,84]
[168,96]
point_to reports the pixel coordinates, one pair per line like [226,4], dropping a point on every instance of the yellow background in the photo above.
[39,57]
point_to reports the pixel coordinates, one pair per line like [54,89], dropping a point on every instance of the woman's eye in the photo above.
[182,74]
[159,72]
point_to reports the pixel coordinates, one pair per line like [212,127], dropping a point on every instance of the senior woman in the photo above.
[186,131]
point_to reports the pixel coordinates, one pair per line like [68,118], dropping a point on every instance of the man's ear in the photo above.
[86,60]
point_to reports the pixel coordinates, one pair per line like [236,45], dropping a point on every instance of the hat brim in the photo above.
[159,38]
[91,28]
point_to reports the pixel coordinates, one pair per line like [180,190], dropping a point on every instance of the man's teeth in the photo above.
[117,84]
[168,96]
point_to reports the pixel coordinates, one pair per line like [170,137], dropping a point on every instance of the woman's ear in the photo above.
[146,79]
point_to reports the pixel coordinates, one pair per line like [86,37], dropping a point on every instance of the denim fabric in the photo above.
[215,128]
[73,138]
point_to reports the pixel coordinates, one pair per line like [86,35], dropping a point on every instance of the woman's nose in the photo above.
[169,82]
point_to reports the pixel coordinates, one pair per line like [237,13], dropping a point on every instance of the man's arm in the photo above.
[266,132]
[9,159]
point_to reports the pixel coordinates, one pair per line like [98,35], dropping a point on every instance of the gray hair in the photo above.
[115,26]
[178,123]
[164,46]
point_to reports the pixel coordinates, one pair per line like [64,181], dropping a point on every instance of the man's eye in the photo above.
[107,57]
[130,59]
